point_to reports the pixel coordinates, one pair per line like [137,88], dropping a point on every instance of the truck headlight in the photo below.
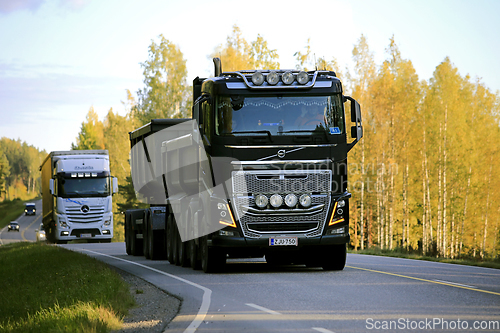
[302,77]
[261,200]
[305,200]
[276,200]
[273,78]
[291,200]
[257,78]
[287,78]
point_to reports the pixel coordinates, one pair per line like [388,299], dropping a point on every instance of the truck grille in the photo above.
[75,215]
[309,223]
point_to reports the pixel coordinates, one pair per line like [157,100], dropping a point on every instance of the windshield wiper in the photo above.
[250,132]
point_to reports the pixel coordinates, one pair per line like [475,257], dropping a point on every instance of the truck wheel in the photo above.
[194,261]
[127,234]
[146,235]
[174,236]
[170,241]
[135,244]
[212,260]
[183,260]
[337,263]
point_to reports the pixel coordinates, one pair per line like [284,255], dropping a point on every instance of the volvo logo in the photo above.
[85,209]
[281,153]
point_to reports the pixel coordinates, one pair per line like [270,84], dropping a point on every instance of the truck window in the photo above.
[84,187]
[280,115]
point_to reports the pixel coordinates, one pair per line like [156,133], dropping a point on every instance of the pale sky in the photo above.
[60,57]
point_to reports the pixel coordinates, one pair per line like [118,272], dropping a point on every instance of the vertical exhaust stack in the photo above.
[218,66]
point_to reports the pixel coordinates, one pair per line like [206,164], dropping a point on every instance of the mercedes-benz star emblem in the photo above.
[281,153]
[85,209]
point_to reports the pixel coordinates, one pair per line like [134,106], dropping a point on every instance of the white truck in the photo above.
[77,190]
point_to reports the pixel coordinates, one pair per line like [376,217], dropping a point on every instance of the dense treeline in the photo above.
[19,174]
[423,177]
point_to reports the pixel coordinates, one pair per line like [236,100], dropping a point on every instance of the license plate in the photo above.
[85,235]
[283,241]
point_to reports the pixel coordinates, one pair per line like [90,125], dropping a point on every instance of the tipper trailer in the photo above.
[259,170]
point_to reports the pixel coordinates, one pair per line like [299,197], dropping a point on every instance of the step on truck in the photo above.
[259,171]
[77,190]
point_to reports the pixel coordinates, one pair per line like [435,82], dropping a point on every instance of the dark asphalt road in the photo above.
[370,294]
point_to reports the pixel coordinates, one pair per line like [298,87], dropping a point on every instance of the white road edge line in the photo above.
[205,304]
[261,308]
[457,284]
[322,330]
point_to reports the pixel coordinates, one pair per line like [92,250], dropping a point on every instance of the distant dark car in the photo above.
[40,233]
[14,226]
[30,209]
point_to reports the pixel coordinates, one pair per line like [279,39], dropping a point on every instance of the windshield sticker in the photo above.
[334,130]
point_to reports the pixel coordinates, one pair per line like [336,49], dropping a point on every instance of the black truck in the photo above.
[259,170]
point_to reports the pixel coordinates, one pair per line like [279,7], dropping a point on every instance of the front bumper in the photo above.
[263,242]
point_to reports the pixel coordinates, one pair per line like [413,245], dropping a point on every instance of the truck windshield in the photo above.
[84,187]
[279,115]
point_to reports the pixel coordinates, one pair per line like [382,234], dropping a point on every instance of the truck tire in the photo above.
[170,241]
[146,232]
[337,262]
[212,259]
[174,237]
[194,260]
[127,234]
[182,252]
[135,244]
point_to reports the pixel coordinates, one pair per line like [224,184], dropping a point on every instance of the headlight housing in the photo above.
[261,200]
[291,200]
[305,200]
[257,78]
[276,200]
[302,77]
[273,78]
[287,78]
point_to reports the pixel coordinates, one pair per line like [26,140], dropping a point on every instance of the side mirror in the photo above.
[51,186]
[115,185]
[357,130]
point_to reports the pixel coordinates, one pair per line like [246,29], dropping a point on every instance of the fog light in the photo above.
[302,77]
[65,233]
[261,200]
[226,233]
[305,200]
[273,78]
[257,78]
[288,78]
[106,232]
[336,231]
[291,200]
[276,200]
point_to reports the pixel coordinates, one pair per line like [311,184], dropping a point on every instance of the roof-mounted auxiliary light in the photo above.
[302,77]
[287,78]
[273,78]
[257,78]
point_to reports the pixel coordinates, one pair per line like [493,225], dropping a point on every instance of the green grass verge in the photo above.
[46,288]
[10,211]
[401,254]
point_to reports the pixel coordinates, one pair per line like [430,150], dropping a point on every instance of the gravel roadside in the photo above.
[155,308]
